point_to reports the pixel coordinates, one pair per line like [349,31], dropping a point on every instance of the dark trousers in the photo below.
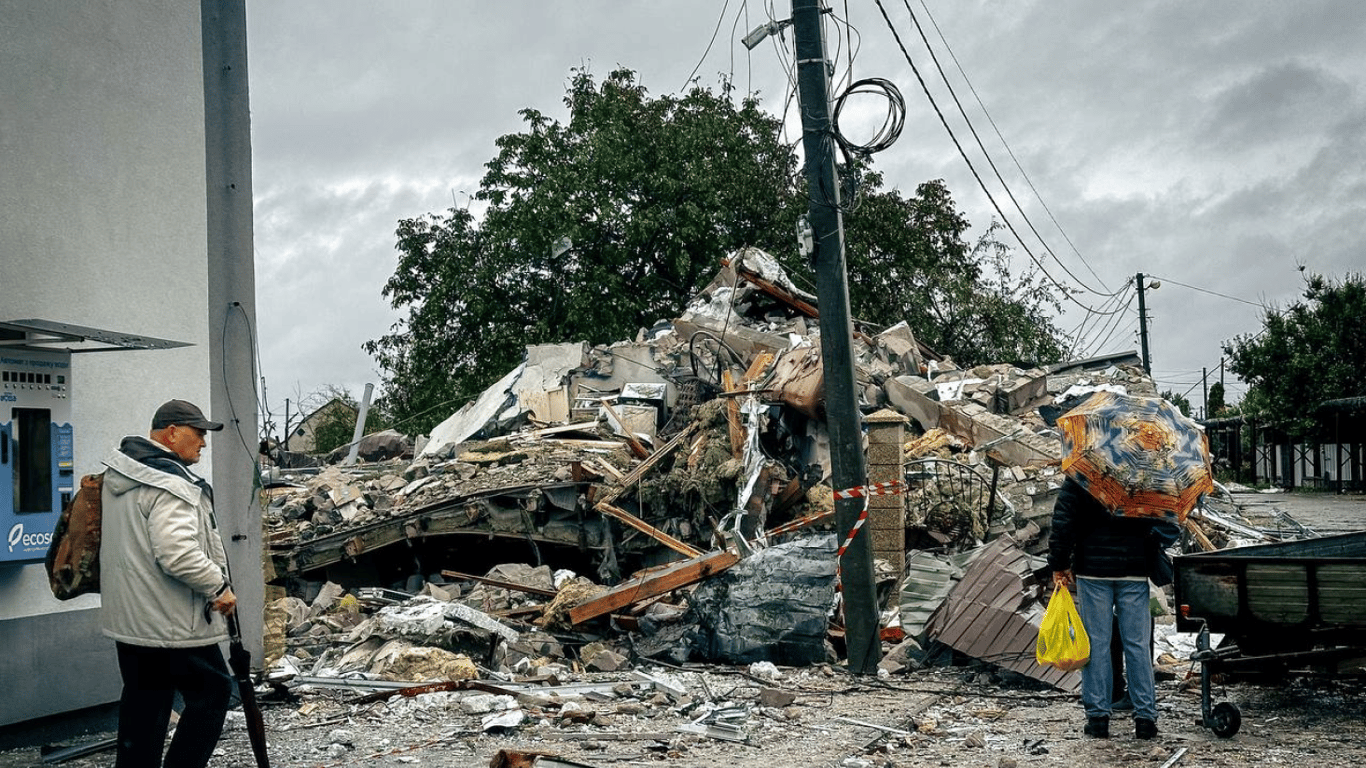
[151,679]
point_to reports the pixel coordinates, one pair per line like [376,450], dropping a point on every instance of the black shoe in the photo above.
[1122,704]
[1144,728]
[1098,727]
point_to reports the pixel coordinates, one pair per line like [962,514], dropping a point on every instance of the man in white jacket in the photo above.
[164,574]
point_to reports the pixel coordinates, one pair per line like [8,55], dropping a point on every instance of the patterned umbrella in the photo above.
[1139,456]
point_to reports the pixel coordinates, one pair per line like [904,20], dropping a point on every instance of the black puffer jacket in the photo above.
[1091,541]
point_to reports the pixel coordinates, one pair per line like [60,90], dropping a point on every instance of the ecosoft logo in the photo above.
[17,538]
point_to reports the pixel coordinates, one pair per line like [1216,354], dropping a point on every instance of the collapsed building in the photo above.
[668,496]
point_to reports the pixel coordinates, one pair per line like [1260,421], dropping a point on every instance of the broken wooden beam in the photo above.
[778,292]
[645,466]
[666,579]
[799,523]
[647,529]
[637,449]
[737,432]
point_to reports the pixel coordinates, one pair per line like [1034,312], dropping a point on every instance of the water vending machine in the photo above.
[37,468]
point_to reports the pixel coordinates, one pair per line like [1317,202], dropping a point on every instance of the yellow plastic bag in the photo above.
[1062,639]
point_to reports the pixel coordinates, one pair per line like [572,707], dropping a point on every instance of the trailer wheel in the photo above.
[1225,720]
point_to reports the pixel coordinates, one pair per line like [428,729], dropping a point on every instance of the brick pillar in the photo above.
[887,514]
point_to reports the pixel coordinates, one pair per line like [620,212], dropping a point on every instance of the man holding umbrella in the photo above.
[1134,467]
[165,591]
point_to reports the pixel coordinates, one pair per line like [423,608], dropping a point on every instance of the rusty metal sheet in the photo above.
[993,614]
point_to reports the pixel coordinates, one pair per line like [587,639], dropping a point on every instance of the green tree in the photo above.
[1215,405]
[1312,351]
[1179,401]
[611,221]
[910,261]
[593,229]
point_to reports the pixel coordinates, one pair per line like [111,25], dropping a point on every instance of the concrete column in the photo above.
[887,514]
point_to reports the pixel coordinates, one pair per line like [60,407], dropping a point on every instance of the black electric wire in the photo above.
[973,130]
[1206,290]
[719,19]
[1066,291]
[892,122]
[1006,144]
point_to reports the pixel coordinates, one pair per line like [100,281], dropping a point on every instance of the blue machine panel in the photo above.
[37,464]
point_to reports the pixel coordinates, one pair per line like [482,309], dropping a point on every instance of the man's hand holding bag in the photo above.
[1062,639]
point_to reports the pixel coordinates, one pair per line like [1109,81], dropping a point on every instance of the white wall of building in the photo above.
[102,224]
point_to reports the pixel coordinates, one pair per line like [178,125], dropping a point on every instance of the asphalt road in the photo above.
[1326,513]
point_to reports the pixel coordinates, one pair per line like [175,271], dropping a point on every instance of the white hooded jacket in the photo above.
[161,557]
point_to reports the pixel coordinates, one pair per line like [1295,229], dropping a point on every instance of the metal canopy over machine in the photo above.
[47,334]
[37,462]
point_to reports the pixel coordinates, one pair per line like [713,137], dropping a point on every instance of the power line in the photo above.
[1066,292]
[1006,144]
[973,130]
[1212,293]
[719,19]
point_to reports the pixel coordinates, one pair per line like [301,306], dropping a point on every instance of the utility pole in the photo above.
[1143,327]
[1204,391]
[841,398]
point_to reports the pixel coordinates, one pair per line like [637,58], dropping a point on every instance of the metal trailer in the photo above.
[1283,606]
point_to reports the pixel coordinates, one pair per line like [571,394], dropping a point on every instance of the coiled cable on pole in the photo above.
[892,123]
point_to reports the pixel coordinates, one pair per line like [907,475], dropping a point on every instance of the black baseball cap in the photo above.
[183,413]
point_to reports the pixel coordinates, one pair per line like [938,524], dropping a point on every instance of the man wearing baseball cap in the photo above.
[164,577]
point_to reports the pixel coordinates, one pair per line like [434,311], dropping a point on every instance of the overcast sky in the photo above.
[1217,146]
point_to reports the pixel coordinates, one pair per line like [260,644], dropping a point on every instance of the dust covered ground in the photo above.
[960,716]
[970,715]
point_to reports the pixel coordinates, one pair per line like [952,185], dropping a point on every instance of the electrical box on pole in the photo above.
[841,398]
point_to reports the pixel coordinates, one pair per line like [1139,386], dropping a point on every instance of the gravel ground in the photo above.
[960,716]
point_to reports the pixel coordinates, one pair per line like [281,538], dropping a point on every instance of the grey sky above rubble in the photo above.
[1217,146]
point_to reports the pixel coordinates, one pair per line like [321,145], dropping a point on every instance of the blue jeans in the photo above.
[1100,601]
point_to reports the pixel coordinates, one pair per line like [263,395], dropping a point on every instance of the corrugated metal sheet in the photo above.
[993,614]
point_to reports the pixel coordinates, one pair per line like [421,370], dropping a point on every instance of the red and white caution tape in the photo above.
[873,489]
[863,492]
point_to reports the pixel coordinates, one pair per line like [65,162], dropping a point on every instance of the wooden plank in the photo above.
[799,523]
[676,575]
[604,469]
[1199,535]
[634,475]
[647,529]
[756,368]
[737,433]
[778,292]
[636,448]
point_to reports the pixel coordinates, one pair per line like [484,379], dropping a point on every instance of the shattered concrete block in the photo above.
[902,349]
[911,396]
[483,703]
[1025,392]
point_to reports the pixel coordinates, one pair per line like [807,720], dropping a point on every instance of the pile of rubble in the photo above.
[687,471]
